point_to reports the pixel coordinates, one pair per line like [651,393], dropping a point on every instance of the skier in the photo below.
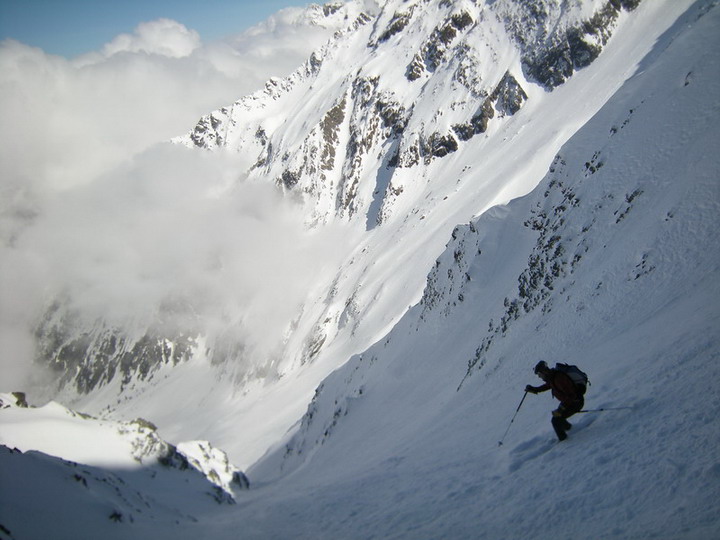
[563,389]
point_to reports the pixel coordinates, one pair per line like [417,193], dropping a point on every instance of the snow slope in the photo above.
[611,262]
[398,219]
[621,235]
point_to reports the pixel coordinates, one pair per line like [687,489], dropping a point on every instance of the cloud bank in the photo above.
[94,205]
[163,36]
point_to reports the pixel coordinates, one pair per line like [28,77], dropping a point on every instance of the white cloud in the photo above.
[93,205]
[163,36]
[63,122]
[174,225]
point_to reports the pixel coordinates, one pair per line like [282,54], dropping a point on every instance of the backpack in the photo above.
[576,375]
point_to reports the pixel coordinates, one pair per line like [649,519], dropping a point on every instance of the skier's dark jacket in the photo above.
[562,386]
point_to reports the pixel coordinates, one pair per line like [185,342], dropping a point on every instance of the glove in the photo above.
[530,389]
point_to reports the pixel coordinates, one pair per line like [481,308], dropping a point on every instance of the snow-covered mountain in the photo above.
[514,181]
[418,116]
[83,472]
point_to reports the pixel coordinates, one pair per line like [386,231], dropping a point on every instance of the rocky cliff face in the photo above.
[380,110]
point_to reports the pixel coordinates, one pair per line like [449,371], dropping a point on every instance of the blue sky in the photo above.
[73,27]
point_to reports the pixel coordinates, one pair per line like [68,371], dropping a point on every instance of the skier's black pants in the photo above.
[562,413]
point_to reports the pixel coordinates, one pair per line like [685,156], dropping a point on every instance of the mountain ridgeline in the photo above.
[360,133]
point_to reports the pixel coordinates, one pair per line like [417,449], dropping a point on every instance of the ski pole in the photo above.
[605,409]
[513,418]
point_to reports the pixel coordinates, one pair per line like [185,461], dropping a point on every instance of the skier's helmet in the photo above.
[541,366]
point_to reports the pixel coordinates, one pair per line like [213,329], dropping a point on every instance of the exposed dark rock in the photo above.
[478,123]
[174,459]
[241,480]
[331,8]
[629,5]
[407,158]
[364,130]
[433,52]
[392,114]
[507,99]
[93,357]
[315,62]
[205,133]
[575,48]
[290,178]
[330,126]
[438,145]
[461,20]
[552,68]
[397,24]
[116,516]
[20,399]
[508,96]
